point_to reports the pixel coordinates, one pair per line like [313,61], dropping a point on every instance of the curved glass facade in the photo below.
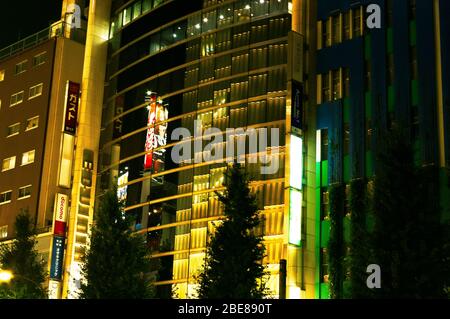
[223,63]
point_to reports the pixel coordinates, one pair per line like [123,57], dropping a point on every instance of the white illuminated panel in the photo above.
[122,188]
[296,162]
[295,217]
[318,146]
[54,288]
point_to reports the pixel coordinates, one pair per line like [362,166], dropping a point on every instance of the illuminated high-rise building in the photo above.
[368,79]
[144,69]
[228,64]
[49,120]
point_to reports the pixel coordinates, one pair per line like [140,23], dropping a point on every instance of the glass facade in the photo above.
[223,63]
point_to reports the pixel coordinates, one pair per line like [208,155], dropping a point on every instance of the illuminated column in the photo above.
[294,160]
[85,163]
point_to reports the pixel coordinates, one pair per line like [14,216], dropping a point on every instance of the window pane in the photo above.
[357,22]
[225,15]
[136,10]
[32,123]
[146,5]
[336,85]
[126,16]
[336,29]
[14,129]
[347,26]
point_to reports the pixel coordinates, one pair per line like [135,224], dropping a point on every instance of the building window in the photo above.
[324,145]
[13,129]
[336,85]
[32,123]
[326,33]
[137,9]
[146,5]
[326,92]
[16,98]
[8,163]
[24,192]
[324,204]
[3,232]
[39,59]
[126,16]
[357,22]
[20,67]
[28,157]
[35,91]
[5,197]
[2,75]
[347,26]
[336,20]
[324,265]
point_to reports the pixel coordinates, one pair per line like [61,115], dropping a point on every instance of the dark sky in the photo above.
[21,18]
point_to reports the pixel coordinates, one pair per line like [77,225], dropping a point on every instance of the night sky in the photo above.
[19,19]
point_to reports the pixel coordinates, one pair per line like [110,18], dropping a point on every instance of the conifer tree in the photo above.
[233,264]
[22,260]
[116,263]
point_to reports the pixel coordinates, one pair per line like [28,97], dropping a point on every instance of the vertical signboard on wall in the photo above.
[58,246]
[72,105]
[297,108]
[156,133]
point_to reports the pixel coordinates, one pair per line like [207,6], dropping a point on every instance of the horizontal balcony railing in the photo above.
[57,29]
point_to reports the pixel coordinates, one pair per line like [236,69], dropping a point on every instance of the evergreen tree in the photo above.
[116,263]
[233,264]
[409,239]
[359,238]
[21,258]
[336,244]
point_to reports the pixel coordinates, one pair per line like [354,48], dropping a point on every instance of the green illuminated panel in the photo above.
[325,233]
[318,174]
[295,217]
[324,173]
[324,291]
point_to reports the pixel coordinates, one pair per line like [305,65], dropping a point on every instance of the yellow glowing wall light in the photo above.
[6,275]
[296,179]
[295,217]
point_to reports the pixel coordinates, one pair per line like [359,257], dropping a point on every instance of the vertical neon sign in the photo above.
[149,141]
[156,134]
